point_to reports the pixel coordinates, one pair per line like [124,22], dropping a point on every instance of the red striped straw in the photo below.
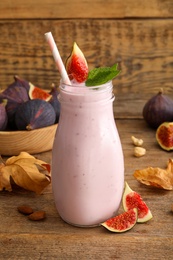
[57,58]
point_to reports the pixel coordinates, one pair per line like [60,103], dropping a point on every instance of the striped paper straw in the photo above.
[57,58]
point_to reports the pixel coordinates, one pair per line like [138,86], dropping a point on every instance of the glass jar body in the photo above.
[87,157]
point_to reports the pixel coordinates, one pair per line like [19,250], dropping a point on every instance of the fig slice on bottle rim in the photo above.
[122,222]
[132,199]
[38,93]
[76,65]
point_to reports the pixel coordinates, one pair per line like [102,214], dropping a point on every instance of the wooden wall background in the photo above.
[137,34]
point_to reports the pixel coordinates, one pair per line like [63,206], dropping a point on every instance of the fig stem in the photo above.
[161,91]
[4,102]
[29,127]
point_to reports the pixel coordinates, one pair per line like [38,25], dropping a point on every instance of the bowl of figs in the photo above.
[29,118]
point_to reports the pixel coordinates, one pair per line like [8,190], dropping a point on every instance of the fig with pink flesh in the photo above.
[76,65]
[132,199]
[164,136]
[34,114]
[122,222]
[38,93]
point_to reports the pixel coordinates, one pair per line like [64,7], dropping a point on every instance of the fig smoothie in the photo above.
[87,157]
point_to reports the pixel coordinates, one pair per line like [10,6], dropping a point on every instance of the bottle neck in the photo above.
[74,94]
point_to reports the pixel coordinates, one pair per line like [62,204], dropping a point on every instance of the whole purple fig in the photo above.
[158,109]
[15,94]
[3,116]
[20,83]
[34,114]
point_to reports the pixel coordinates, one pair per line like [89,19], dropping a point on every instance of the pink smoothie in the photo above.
[87,157]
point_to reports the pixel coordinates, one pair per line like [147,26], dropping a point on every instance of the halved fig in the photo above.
[132,199]
[76,65]
[38,93]
[122,222]
[164,136]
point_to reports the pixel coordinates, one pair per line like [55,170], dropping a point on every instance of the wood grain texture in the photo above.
[142,48]
[58,9]
[137,34]
[33,141]
[54,239]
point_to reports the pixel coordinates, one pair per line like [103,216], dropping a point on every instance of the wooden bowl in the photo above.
[34,141]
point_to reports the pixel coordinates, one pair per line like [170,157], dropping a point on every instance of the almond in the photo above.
[25,209]
[37,215]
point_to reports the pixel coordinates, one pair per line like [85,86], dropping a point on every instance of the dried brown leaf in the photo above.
[156,177]
[170,170]
[24,170]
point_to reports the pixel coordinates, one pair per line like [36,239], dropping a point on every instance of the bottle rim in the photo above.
[82,89]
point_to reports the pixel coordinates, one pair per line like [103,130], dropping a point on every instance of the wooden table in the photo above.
[137,35]
[52,238]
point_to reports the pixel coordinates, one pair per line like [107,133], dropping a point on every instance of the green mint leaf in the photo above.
[99,76]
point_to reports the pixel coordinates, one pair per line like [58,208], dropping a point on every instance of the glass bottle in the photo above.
[87,156]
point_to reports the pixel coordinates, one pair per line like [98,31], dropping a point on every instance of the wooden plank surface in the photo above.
[10,9]
[136,34]
[54,239]
[143,50]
